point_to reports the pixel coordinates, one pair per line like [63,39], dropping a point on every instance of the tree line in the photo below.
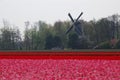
[42,36]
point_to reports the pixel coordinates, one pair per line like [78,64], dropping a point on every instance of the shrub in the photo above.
[104,45]
[117,46]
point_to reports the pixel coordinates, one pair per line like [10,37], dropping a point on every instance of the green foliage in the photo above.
[73,41]
[57,42]
[104,45]
[77,43]
[49,42]
[10,39]
[53,42]
[43,36]
[117,46]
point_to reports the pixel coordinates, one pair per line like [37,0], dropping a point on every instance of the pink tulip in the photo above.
[48,69]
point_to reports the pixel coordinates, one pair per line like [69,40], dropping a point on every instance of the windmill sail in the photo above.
[70,17]
[69,29]
[79,16]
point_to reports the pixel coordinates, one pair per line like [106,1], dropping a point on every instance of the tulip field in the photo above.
[59,69]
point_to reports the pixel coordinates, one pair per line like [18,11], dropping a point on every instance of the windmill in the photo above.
[76,24]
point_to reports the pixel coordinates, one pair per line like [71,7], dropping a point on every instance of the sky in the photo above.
[16,12]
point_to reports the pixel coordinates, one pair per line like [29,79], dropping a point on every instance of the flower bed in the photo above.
[64,69]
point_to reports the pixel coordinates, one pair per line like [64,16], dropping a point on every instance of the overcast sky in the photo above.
[19,11]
